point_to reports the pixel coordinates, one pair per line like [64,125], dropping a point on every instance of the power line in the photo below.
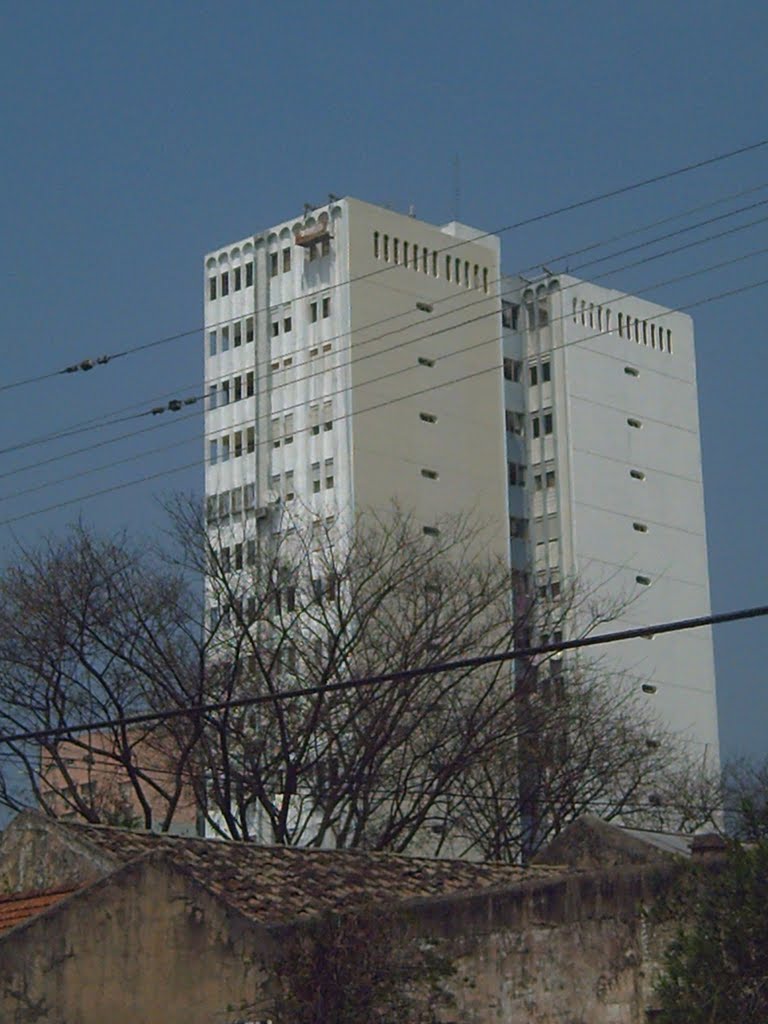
[177,404]
[89,363]
[383,404]
[401,676]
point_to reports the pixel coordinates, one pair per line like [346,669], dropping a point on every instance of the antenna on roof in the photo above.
[456,187]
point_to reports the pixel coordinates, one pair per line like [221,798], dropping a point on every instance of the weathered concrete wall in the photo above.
[35,855]
[142,946]
[579,950]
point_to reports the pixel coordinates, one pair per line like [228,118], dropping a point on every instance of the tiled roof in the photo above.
[275,884]
[15,909]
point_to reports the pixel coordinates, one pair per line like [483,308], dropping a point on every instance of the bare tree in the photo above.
[95,629]
[486,761]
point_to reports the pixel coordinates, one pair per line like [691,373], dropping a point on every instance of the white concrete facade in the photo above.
[364,358]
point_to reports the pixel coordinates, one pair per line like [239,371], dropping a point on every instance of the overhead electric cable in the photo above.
[89,363]
[399,676]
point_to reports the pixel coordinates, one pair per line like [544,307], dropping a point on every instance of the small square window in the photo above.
[249,275]
[225,283]
[327,347]
[211,288]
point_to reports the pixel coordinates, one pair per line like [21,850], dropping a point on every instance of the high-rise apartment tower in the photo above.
[356,355]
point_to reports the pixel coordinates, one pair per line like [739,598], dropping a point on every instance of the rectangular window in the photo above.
[515,474]
[212,396]
[328,474]
[288,428]
[287,324]
[276,442]
[448,268]
[211,288]
[237,332]
[550,478]
[249,496]
[536,426]
[249,329]
[290,494]
[275,328]
[225,449]
[249,275]
[225,283]
[225,339]
[326,308]
[250,552]
[238,556]
[249,384]
[513,421]
[238,382]
[534,375]
[517,528]
[547,422]
[313,312]
[546,372]
[212,343]
[250,440]
[286,260]
[224,505]
[238,283]
[273,264]
[225,392]
[238,446]
[315,477]
[213,452]
[396,250]
[537,482]
[314,420]
[328,415]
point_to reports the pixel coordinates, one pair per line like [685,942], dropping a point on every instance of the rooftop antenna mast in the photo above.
[456,187]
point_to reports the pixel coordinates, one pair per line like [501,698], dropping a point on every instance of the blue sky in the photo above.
[138,136]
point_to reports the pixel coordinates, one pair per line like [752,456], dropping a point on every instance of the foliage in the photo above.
[358,968]
[745,784]
[716,969]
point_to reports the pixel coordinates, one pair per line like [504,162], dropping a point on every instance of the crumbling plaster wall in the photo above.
[144,945]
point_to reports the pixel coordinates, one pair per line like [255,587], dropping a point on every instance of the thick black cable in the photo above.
[401,676]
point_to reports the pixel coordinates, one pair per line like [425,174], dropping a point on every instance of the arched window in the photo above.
[621,325]
[448,268]
[386,248]
[485,280]
[376,244]
[425,261]
[575,310]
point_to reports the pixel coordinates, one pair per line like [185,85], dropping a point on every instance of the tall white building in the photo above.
[356,355]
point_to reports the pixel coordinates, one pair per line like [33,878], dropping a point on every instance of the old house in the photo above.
[104,924]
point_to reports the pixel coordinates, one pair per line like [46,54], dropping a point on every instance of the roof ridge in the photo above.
[170,837]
